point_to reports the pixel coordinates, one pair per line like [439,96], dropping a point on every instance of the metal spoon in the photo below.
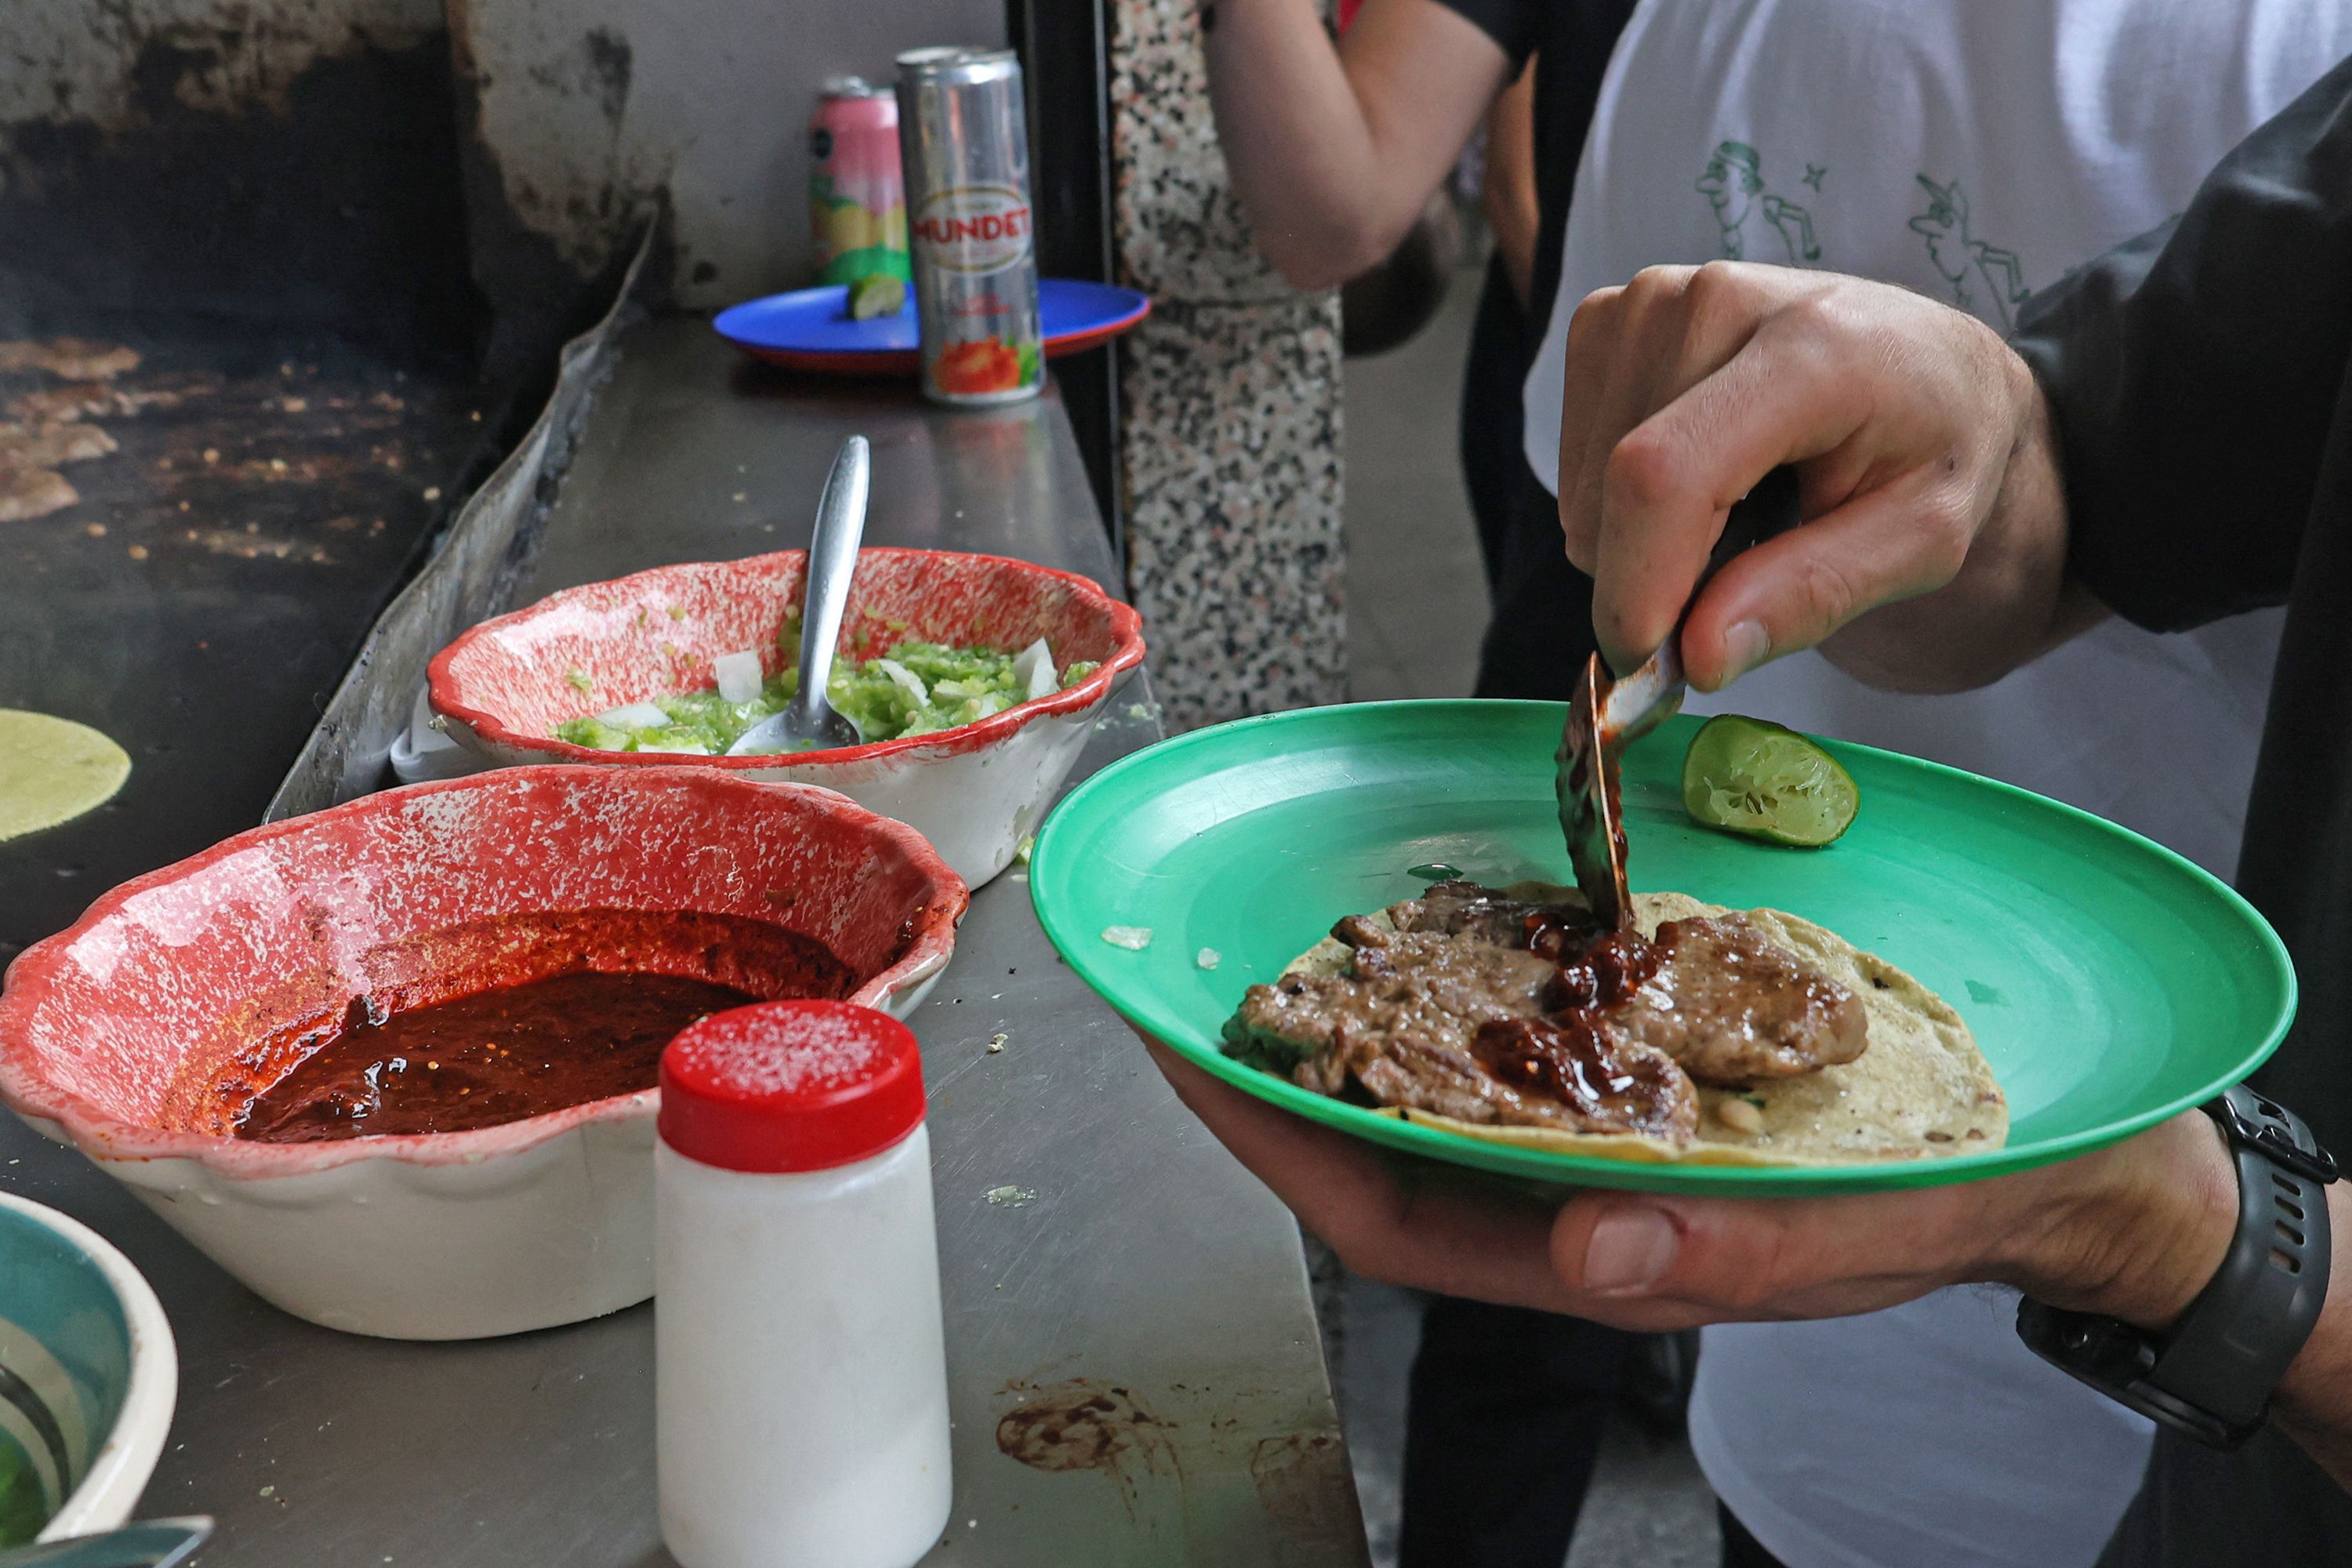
[809,722]
[152,1543]
[1606,716]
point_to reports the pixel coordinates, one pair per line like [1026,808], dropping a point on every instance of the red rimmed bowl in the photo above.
[118,1035]
[975,792]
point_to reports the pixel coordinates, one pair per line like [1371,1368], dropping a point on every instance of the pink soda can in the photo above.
[857,201]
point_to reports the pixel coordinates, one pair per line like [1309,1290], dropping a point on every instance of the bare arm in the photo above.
[1510,197]
[1333,153]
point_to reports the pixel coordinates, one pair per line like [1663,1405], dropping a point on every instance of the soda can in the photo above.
[964,134]
[857,202]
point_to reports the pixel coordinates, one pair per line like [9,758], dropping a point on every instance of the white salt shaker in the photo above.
[800,1380]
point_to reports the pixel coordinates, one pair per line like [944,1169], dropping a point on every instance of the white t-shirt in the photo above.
[1973,150]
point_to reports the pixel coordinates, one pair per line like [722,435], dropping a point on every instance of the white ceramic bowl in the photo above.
[92,1371]
[975,792]
[116,1035]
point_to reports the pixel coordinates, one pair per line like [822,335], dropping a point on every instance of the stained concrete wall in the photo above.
[587,102]
[71,60]
[296,159]
[570,112]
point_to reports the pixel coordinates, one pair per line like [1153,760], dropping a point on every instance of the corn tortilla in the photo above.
[53,770]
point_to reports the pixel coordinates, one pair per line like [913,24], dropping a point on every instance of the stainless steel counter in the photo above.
[1136,1291]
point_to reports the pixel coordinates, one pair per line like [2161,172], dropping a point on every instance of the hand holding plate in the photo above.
[2134,1230]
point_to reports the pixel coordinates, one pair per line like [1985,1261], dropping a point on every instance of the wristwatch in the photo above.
[2211,1374]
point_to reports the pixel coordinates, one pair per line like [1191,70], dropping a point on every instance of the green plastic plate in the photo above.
[2110,983]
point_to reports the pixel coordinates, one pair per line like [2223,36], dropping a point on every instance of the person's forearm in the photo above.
[1333,151]
[1508,198]
[2314,1405]
[2138,1238]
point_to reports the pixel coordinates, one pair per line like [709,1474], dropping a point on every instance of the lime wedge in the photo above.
[877,294]
[1764,780]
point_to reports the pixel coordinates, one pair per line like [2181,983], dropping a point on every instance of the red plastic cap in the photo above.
[791,1086]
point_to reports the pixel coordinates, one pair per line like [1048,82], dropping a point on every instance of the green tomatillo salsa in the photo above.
[917,688]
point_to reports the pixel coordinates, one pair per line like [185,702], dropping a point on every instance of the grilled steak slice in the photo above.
[71,359]
[51,446]
[1458,908]
[1733,1007]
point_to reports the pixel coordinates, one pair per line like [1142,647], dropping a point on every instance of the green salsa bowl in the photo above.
[88,1378]
[2109,981]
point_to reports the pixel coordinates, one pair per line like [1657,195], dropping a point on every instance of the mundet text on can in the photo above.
[964,135]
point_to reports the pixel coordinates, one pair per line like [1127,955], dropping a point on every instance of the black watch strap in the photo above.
[2211,1374]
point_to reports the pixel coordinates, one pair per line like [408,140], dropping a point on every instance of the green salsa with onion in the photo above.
[23,1509]
[917,688]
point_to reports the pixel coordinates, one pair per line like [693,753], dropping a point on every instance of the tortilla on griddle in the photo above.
[53,770]
[1921,1090]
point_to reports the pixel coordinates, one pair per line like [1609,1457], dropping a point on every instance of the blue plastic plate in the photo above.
[810,329]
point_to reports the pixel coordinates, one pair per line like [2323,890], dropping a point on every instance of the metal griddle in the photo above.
[295,266]
[210,586]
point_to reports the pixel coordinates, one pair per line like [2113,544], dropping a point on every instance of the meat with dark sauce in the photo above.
[1403,1025]
[1491,1009]
[1608,1082]
[1734,1006]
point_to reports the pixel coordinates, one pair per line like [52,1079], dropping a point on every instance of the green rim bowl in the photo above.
[88,1378]
[2109,981]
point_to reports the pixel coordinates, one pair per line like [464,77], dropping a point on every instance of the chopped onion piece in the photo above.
[737,675]
[691,749]
[1033,667]
[1208,958]
[904,679]
[1135,939]
[633,716]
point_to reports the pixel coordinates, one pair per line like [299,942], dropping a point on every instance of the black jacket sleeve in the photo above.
[2194,373]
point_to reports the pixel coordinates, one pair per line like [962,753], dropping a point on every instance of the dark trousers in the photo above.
[1509,1406]
[1541,632]
[1540,622]
[1741,1550]
[1507,1410]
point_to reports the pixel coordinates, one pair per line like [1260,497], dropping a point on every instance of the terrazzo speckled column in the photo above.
[1231,394]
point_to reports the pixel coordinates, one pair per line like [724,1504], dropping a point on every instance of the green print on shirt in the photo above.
[1733,185]
[1960,256]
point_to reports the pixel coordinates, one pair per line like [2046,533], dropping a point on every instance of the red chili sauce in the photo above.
[544,1044]
[1565,1056]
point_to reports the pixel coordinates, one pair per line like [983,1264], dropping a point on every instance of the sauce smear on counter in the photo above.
[477,1061]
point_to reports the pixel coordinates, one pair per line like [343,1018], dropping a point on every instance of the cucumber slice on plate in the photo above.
[877,294]
[1764,780]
